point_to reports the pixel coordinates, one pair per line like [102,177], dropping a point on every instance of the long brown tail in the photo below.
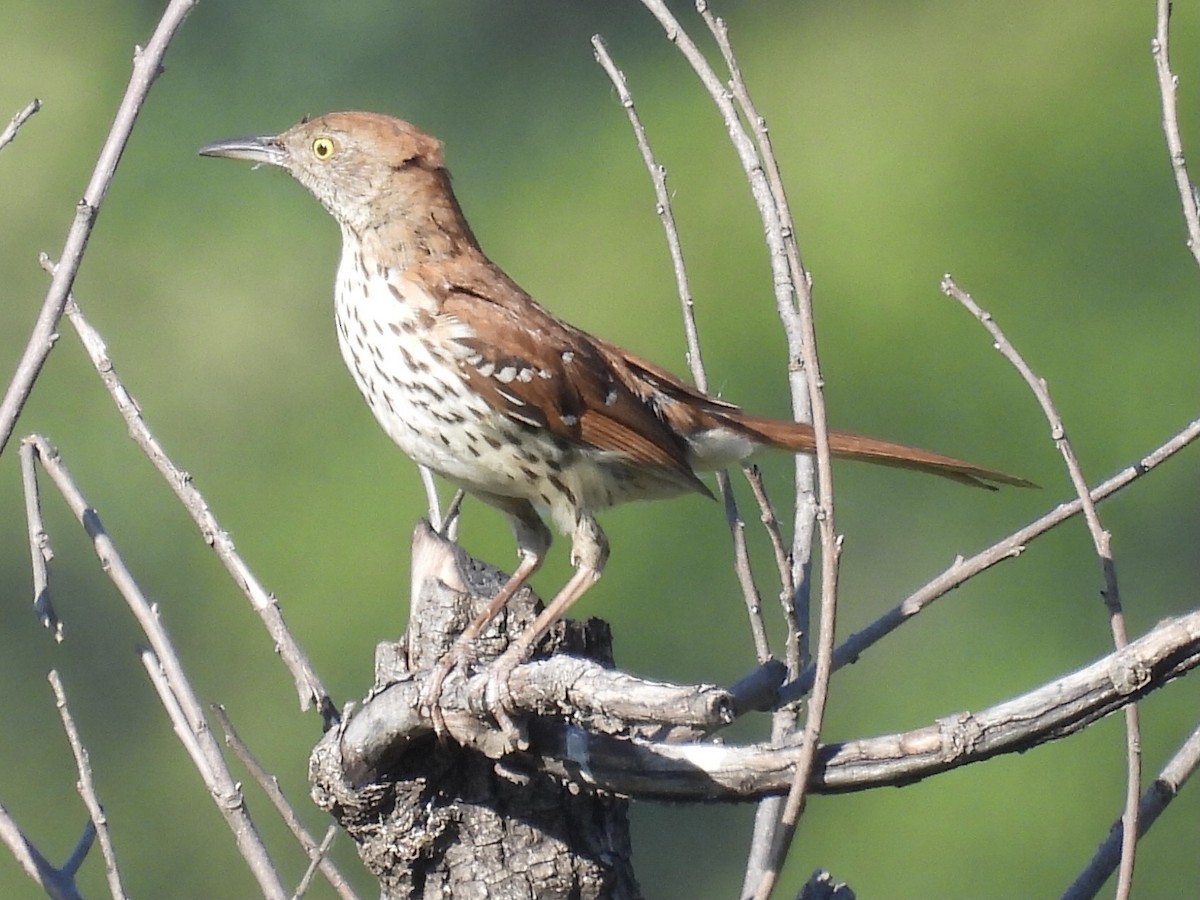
[799,438]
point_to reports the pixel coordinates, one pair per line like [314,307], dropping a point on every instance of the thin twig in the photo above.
[87,790]
[793,303]
[15,123]
[783,559]
[270,786]
[743,569]
[797,314]
[184,728]
[147,65]
[793,316]
[317,858]
[666,215]
[695,357]
[961,570]
[1167,89]
[766,848]
[791,283]
[308,683]
[1102,541]
[40,551]
[172,682]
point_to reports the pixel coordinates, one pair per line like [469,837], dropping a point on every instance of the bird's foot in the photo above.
[498,697]
[497,694]
[458,656]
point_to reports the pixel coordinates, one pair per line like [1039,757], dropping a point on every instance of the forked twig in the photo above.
[87,790]
[59,884]
[794,305]
[797,315]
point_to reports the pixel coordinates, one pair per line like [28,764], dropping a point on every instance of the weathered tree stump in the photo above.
[443,818]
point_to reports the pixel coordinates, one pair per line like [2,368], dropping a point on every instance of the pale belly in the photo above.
[417,392]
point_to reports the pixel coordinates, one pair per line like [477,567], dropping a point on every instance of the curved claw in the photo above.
[499,700]
[431,696]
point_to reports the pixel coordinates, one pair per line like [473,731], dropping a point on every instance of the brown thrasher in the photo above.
[477,381]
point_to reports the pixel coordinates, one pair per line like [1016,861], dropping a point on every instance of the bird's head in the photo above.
[365,168]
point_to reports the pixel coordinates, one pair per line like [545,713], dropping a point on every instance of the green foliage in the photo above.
[1015,145]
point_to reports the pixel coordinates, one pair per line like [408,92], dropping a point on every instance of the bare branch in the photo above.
[169,678]
[765,847]
[87,790]
[308,683]
[1009,548]
[14,124]
[743,569]
[794,306]
[185,730]
[790,280]
[695,357]
[1168,83]
[807,397]
[270,786]
[390,723]
[147,65]
[666,215]
[783,559]
[39,544]
[393,718]
[796,315]
[1102,541]
[693,772]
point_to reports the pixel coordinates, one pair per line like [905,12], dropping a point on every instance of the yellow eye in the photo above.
[322,148]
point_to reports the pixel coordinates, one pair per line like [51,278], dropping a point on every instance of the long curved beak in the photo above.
[260,150]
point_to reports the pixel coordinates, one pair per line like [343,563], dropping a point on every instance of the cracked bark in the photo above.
[439,819]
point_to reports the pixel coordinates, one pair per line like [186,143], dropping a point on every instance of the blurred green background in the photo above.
[1015,145]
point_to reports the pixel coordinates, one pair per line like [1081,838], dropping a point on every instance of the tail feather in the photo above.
[800,438]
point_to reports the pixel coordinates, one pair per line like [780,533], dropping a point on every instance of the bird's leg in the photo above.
[533,542]
[589,553]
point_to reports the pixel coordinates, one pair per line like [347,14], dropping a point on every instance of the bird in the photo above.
[473,378]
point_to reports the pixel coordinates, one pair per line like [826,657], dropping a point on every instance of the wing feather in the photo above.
[536,369]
